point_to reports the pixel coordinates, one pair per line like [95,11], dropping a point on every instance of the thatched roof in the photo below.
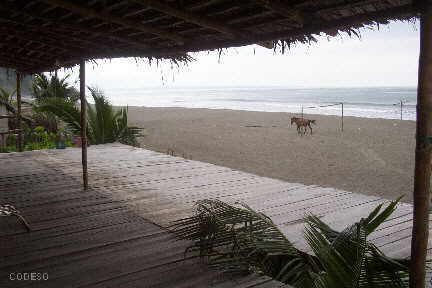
[41,35]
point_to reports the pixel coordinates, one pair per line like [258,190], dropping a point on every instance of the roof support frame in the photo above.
[105,16]
[190,17]
[283,9]
[199,20]
[61,25]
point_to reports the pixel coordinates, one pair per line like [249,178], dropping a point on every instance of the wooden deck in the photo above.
[105,237]
[93,238]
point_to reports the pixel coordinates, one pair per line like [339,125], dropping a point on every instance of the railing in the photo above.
[3,134]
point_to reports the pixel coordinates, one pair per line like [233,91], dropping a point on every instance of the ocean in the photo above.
[382,102]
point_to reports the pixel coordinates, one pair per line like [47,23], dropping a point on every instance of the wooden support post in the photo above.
[302,112]
[83,123]
[18,116]
[420,231]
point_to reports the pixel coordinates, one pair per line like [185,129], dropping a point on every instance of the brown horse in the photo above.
[303,124]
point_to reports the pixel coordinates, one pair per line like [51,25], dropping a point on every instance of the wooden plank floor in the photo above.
[91,238]
[103,230]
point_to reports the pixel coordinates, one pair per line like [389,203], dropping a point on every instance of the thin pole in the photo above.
[302,111]
[401,104]
[83,124]
[18,116]
[342,124]
[420,231]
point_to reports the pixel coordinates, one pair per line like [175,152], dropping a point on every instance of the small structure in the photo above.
[43,35]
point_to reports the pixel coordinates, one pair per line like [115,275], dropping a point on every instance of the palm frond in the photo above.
[7,96]
[54,87]
[237,239]
[104,123]
[65,110]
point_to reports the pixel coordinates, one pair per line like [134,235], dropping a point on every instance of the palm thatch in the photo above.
[42,35]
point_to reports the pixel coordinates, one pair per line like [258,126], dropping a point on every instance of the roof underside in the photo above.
[42,35]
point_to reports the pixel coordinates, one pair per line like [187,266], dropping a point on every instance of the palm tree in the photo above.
[54,87]
[105,124]
[44,88]
[237,239]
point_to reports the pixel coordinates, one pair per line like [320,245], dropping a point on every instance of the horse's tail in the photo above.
[313,122]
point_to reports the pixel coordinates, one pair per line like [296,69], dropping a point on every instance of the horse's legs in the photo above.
[304,130]
[310,127]
[301,131]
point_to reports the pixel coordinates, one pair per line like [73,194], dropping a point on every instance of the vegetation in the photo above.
[44,88]
[237,239]
[105,124]
[55,105]
[7,96]
[38,139]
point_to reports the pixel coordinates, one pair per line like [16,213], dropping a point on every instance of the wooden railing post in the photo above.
[18,116]
[83,123]
[422,172]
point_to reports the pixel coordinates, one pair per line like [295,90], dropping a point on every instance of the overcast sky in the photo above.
[388,57]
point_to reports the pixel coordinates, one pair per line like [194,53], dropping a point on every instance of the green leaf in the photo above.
[237,239]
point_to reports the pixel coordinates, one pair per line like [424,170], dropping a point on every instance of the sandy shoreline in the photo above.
[371,156]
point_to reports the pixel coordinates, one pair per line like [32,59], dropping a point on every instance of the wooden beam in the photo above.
[199,20]
[283,9]
[6,55]
[83,123]
[65,26]
[18,115]
[75,8]
[190,17]
[217,44]
[42,53]
[199,45]
[47,41]
[37,34]
[423,157]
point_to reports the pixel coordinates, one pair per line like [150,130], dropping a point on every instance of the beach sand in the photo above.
[371,156]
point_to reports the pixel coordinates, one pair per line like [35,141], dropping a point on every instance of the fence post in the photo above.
[401,104]
[342,116]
